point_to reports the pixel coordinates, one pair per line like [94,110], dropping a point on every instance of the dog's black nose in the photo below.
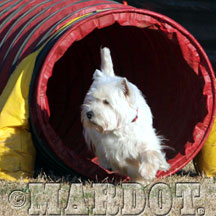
[90,114]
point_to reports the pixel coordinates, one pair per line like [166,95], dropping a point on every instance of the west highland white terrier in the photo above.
[118,125]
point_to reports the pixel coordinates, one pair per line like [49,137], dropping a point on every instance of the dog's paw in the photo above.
[148,171]
[164,166]
[151,162]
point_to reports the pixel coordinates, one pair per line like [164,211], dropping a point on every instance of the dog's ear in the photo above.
[125,87]
[97,74]
[106,62]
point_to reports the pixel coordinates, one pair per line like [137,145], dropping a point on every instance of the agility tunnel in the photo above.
[48,52]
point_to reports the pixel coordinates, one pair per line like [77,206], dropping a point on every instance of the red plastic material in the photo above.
[157,54]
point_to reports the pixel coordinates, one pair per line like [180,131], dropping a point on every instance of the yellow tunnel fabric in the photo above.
[205,161]
[17,152]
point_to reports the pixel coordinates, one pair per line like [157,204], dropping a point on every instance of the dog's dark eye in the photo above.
[105,102]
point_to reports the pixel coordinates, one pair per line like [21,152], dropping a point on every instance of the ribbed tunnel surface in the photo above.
[151,50]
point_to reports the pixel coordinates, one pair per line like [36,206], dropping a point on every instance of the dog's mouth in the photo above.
[100,129]
[97,126]
[92,124]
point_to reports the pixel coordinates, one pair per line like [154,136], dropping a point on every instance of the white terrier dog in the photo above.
[118,126]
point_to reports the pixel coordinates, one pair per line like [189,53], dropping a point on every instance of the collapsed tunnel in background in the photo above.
[151,50]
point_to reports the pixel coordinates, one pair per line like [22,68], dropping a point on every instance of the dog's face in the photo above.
[109,103]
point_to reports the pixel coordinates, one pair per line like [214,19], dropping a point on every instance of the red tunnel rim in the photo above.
[54,54]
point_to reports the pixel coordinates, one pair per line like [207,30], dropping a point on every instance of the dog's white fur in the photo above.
[121,141]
